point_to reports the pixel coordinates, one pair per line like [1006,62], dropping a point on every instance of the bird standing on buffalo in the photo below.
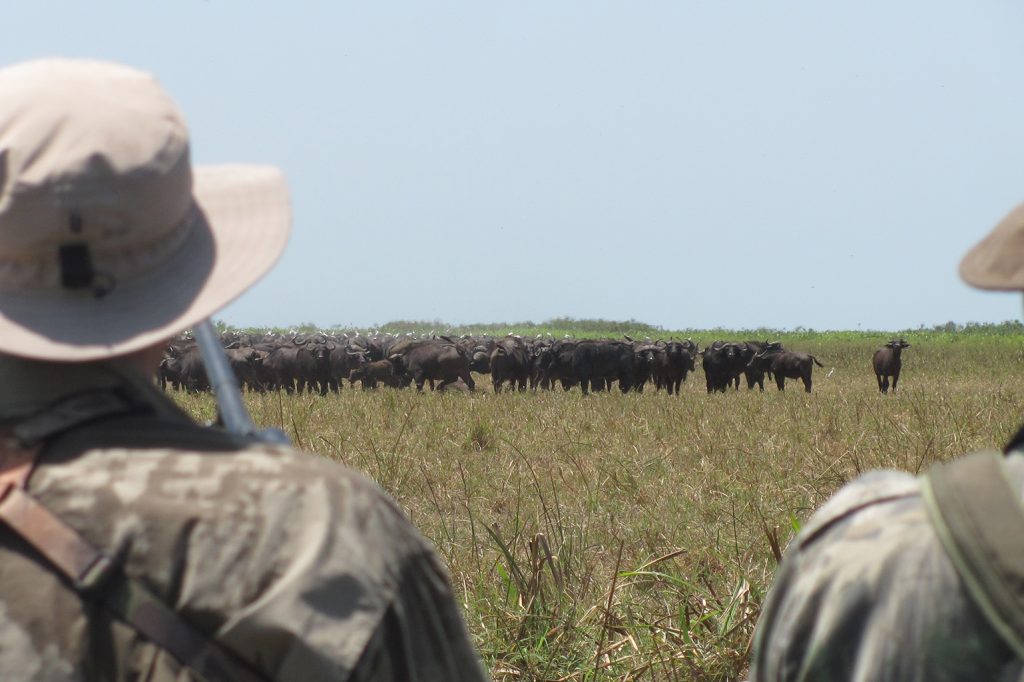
[887,363]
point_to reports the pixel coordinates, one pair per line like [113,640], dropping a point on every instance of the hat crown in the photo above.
[90,152]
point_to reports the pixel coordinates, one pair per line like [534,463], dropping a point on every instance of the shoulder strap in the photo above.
[1016,442]
[91,571]
[980,521]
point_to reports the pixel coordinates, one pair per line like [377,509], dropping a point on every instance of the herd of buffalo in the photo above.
[322,363]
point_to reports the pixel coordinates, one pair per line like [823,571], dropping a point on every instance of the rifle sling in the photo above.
[1016,442]
[979,519]
[95,576]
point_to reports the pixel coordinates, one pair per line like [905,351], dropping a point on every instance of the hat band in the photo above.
[49,274]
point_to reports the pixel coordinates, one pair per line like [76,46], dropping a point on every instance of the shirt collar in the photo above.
[27,386]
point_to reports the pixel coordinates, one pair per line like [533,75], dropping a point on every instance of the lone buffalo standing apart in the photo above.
[785,364]
[887,364]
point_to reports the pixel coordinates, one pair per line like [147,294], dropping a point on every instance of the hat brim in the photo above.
[995,262]
[241,221]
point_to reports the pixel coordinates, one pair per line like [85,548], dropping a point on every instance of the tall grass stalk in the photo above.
[627,537]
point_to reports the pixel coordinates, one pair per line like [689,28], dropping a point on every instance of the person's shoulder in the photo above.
[168,457]
[865,492]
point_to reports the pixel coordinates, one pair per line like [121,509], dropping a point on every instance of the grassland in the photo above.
[625,537]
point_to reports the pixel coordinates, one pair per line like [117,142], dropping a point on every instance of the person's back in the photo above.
[134,543]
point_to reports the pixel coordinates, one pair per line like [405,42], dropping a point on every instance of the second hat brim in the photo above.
[997,261]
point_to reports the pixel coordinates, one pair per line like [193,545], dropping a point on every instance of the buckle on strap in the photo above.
[95,574]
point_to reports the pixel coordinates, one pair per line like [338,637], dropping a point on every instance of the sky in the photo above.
[721,163]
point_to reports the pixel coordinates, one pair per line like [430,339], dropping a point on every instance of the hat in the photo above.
[110,240]
[997,261]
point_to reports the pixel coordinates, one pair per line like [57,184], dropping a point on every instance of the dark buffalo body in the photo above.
[283,365]
[753,373]
[314,359]
[432,360]
[370,373]
[785,364]
[247,364]
[595,364]
[887,363]
[554,363]
[510,361]
[723,363]
[185,369]
[670,365]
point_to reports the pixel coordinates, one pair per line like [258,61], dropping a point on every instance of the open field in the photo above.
[622,537]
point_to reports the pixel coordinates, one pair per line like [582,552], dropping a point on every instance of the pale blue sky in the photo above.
[687,164]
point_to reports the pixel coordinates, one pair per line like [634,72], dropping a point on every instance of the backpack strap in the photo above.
[979,519]
[1016,442]
[91,571]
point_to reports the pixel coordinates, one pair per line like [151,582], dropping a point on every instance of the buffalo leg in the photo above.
[895,378]
[780,381]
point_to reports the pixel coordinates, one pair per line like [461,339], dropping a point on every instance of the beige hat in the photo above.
[110,240]
[997,261]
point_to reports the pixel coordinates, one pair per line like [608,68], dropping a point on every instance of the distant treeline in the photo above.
[592,328]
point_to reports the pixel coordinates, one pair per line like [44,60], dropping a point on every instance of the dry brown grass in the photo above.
[628,537]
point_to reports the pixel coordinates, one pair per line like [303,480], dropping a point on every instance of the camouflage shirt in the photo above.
[866,592]
[302,568]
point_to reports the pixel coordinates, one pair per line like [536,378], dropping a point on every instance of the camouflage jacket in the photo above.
[300,567]
[866,592]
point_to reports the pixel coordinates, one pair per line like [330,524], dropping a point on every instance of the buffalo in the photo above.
[553,362]
[753,373]
[432,359]
[723,363]
[371,373]
[510,361]
[887,363]
[670,364]
[246,363]
[785,364]
[595,364]
[183,368]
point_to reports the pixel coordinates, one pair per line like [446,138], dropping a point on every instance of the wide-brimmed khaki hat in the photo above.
[110,240]
[997,261]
